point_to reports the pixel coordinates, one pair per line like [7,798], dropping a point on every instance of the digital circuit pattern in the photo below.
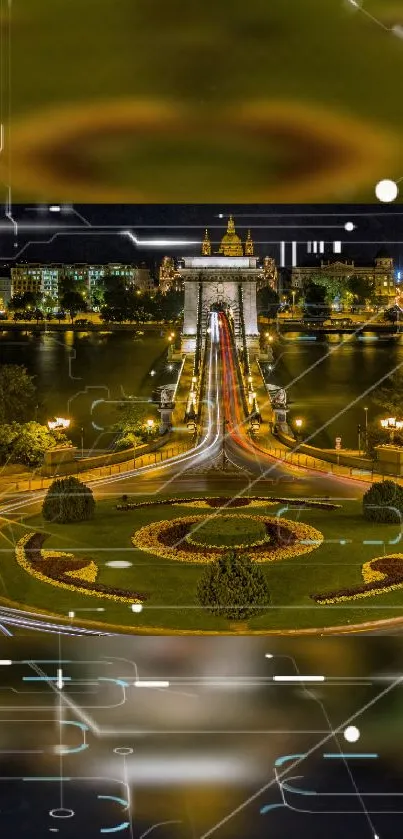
[200,738]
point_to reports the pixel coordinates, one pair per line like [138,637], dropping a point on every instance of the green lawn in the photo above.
[171,586]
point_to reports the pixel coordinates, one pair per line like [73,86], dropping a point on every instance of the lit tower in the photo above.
[206,245]
[249,245]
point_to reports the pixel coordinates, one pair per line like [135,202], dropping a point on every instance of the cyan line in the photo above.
[269,807]
[122,826]
[350,755]
[114,798]
[286,758]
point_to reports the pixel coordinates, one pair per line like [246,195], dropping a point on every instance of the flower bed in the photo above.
[61,569]
[225,501]
[167,539]
[380,575]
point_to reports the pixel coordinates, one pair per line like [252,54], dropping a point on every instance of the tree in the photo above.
[383,502]
[314,298]
[233,587]
[73,302]
[68,500]
[267,301]
[27,443]
[132,423]
[389,395]
[17,394]
[361,288]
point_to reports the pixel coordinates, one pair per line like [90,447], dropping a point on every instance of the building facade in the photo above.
[5,292]
[169,277]
[381,275]
[47,279]
[220,279]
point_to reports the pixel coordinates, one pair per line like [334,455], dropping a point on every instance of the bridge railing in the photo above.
[151,459]
[308,462]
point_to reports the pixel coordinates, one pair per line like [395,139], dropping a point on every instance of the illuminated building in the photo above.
[5,292]
[169,277]
[381,275]
[46,279]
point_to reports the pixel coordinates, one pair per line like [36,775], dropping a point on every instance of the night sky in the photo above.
[92,233]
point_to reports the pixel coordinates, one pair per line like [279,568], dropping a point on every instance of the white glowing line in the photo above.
[60,683]
[5,661]
[155,684]
[159,243]
[299,678]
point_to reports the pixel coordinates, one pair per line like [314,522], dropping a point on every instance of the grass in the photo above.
[227,531]
[171,586]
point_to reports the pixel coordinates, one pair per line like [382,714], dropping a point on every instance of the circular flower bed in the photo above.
[228,532]
[227,503]
[168,539]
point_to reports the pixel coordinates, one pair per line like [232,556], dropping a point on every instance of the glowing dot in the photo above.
[220,215]
[137,607]
[386,191]
[398,30]
[268,655]
[349,226]
[351,734]
[118,563]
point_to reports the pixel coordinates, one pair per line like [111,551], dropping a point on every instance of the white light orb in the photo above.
[351,734]
[137,607]
[349,226]
[386,191]
[118,563]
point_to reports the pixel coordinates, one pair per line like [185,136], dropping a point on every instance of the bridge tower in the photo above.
[218,277]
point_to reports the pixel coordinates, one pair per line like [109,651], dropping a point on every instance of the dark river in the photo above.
[330,382]
[80,375]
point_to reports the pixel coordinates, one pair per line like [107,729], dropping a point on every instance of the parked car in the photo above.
[82,322]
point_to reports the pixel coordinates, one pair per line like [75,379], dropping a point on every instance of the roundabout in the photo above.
[156,558]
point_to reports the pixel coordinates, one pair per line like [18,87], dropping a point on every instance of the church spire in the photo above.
[231,225]
[249,245]
[206,245]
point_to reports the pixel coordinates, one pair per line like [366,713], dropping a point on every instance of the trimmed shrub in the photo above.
[68,500]
[233,587]
[383,502]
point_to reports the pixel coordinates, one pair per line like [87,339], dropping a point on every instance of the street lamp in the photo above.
[58,423]
[392,424]
[298,425]
[150,426]
[82,441]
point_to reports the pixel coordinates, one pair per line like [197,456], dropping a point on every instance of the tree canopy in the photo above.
[17,394]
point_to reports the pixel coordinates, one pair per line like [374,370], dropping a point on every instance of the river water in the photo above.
[81,374]
[330,380]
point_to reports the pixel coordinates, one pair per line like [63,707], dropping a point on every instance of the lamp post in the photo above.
[298,425]
[366,425]
[58,424]
[392,425]
[82,441]
[150,426]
